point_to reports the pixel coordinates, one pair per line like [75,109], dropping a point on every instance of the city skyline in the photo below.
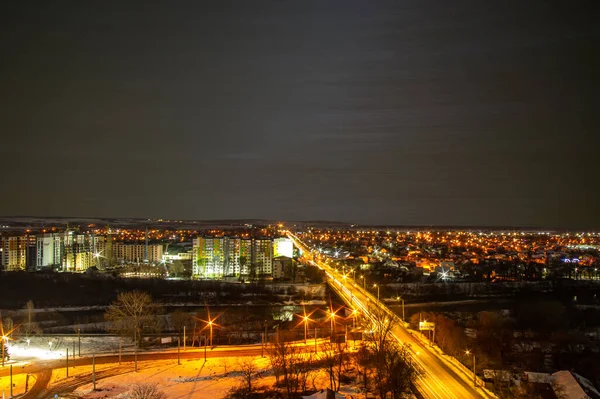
[383,113]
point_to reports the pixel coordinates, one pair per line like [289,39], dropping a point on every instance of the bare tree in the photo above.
[392,368]
[225,365]
[249,371]
[289,362]
[133,313]
[332,357]
[179,320]
[30,326]
[8,325]
[146,391]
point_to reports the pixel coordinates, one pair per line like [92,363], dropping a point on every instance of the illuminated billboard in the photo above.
[283,247]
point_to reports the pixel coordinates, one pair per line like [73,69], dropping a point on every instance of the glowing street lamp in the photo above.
[398,298]
[332,319]
[474,375]
[376,286]
[306,319]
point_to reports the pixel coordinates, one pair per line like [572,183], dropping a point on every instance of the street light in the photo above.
[376,286]
[210,324]
[354,314]
[364,281]
[332,319]
[474,375]
[4,339]
[398,298]
[305,327]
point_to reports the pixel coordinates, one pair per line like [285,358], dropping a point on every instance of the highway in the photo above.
[438,380]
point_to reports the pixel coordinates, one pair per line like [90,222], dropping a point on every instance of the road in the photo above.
[438,380]
[43,369]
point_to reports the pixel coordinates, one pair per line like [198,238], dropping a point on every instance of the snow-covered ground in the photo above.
[18,385]
[55,347]
[192,379]
[212,378]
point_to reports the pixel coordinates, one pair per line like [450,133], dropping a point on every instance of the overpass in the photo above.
[439,377]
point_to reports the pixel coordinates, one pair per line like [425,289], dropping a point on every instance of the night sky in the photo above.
[402,112]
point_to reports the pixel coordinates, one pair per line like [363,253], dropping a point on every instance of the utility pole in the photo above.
[73,354]
[305,328]
[135,353]
[79,339]
[178,352]
[205,343]
[266,336]
[94,370]
[67,362]
[11,382]
[474,375]
[315,339]
[403,318]
[184,338]
[120,348]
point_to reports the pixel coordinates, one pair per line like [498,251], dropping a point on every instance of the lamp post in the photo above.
[4,339]
[376,286]
[332,319]
[398,298]
[305,328]
[364,282]
[210,324]
[474,375]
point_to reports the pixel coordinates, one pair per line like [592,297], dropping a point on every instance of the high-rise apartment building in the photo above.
[49,250]
[262,256]
[217,257]
[137,253]
[13,251]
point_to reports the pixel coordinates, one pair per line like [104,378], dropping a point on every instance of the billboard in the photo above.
[426,326]
[283,247]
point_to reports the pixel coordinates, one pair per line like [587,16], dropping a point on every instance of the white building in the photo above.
[49,249]
[283,247]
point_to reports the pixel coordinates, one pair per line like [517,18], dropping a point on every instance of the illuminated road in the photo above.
[437,380]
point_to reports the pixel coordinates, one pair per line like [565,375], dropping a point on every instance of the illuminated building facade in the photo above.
[14,253]
[136,253]
[218,257]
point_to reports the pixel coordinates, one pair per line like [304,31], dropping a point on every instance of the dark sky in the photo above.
[402,112]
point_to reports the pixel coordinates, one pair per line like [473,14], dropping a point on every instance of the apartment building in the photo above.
[137,253]
[217,257]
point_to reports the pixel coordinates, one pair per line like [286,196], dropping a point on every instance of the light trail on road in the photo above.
[437,380]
